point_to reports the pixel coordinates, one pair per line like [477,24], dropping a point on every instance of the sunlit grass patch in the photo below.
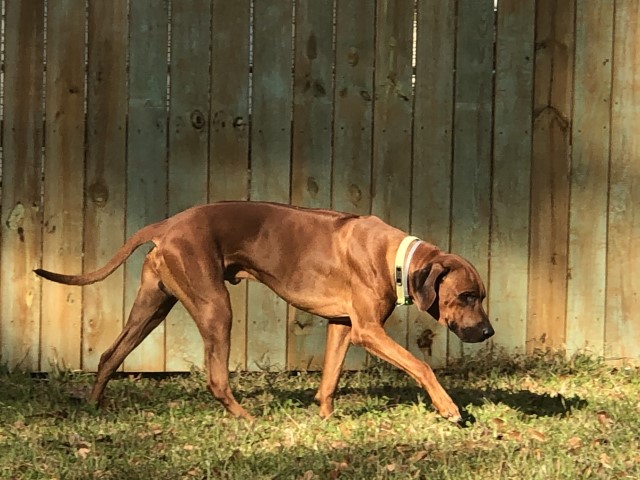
[529,417]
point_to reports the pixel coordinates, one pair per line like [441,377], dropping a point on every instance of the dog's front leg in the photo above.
[370,335]
[338,340]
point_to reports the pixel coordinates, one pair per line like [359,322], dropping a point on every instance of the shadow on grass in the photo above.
[150,392]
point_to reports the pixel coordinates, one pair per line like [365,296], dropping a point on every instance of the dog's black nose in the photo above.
[488,332]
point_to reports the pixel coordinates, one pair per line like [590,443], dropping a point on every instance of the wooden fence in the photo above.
[510,136]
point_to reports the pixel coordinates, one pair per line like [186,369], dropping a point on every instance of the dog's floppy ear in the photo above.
[423,285]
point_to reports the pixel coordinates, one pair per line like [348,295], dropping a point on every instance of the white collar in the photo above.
[401,269]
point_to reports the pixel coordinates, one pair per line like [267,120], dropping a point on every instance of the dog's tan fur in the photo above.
[335,265]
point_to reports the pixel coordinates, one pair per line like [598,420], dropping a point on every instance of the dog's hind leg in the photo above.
[150,308]
[199,285]
[213,318]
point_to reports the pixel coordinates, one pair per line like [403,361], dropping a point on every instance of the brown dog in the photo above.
[336,265]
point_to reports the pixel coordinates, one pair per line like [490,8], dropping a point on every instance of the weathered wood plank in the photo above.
[391,169]
[229,139]
[550,171]
[509,272]
[270,166]
[63,182]
[311,161]
[188,146]
[105,174]
[21,207]
[432,155]
[353,116]
[622,329]
[589,177]
[470,207]
[146,153]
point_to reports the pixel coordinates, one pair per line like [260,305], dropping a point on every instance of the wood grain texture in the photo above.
[62,245]
[311,149]
[21,207]
[353,117]
[229,135]
[391,167]
[470,207]
[589,177]
[509,272]
[550,172]
[432,155]
[105,180]
[188,147]
[622,329]
[270,167]
[146,153]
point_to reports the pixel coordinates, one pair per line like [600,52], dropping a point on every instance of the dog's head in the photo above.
[450,289]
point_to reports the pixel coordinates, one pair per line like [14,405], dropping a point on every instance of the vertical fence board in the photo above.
[311,160]
[146,153]
[353,114]
[511,172]
[589,176]
[270,166]
[21,205]
[550,171]
[188,146]
[63,182]
[622,329]
[105,174]
[472,139]
[432,152]
[229,138]
[391,170]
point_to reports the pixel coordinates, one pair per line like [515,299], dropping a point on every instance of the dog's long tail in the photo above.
[141,237]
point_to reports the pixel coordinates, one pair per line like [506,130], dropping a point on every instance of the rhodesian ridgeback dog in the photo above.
[352,270]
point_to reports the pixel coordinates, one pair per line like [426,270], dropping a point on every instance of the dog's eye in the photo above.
[467,297]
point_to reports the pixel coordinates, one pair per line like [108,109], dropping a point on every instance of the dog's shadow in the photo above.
[525,402]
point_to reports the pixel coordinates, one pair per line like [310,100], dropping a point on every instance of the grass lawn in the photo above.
[529,418]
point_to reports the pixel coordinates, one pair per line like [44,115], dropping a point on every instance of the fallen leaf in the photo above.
[604,418]
[498,422]
[538,454]
[539,436]
[574,444]
[338,445]
[514,435]
[82,452]
[188,447]
[308,475]
[418,456]
[605,460]
[391,467]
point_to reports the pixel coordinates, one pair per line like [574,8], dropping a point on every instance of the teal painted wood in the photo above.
[270,167]
[550,172]
[229,135]
[21,207]
[146,153]
[470,207]
[589,177]
[622,329]
[432,155]
[391,169]
[509,272]
[353,116]
[102,307]
[188,147]
[62,245]
[312,155]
